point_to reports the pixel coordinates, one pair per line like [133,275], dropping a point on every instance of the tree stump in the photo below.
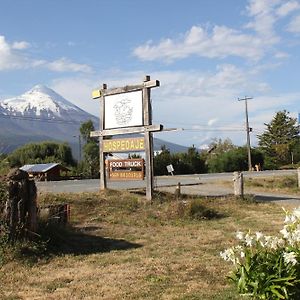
[20,211]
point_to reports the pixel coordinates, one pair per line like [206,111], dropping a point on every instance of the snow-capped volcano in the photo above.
[42,102]
[38,115]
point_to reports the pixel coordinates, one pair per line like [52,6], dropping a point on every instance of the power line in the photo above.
[46,120]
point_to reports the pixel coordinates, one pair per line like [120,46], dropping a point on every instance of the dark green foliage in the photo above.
[91,159]
[89,166]
[280,140]
[233,160]
[183,163]
[85,130]
[44,152]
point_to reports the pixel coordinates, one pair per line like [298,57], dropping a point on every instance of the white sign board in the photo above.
[123,110]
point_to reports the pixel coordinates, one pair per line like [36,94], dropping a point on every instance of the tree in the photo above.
[234,160]
[90,164]
[44,152]
[279,139]
[85,130]
[183,163]
[91,159]
[161,161]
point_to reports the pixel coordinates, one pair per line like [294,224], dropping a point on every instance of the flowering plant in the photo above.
[268,267]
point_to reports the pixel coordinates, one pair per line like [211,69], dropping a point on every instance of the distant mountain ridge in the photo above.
[42,114]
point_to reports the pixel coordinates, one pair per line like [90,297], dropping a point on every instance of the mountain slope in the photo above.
[38,115]
[41,114]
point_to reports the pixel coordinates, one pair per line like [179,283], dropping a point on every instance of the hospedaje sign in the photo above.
[123,145]
[127,110]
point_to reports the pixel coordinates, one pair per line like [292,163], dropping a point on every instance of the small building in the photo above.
[45,172]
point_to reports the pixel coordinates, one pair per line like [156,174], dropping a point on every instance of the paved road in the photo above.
[199,184]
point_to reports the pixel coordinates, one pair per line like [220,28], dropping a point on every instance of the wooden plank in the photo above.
[126,163]
[148,141]
[101,152]
[119,131]
[126,175]
[128,88]
[123,145]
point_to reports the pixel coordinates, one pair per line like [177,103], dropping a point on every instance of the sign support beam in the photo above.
[101,152]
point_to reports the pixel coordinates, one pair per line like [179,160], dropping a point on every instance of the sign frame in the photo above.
[146,129]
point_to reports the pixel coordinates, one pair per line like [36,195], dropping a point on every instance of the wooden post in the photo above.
[101,153]
[148,141]
[178,191]
[238,184]
[298,172]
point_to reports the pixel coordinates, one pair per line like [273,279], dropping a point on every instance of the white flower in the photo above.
[286,234]
[296,213]
[228,255]
[287,219]
[240,235]
[290,258]
[259,236]
[249,240]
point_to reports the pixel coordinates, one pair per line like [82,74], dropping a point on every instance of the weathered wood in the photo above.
[101,152]
[128,88]
[120,131]
[20,208]
[238,184]
[298,172]
[178,191]
[148,141]
[146,129]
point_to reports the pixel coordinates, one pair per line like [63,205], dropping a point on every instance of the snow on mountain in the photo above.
[41,114]
[41,102]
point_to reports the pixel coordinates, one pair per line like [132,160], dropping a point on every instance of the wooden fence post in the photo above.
[298,172]
[178,191]
[238,184]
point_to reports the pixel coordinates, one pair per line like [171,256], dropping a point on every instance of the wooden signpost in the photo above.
[127,110]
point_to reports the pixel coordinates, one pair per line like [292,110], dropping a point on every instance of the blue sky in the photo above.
[206,54]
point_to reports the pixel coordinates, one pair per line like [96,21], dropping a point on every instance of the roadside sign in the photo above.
[124,145]
[126,169]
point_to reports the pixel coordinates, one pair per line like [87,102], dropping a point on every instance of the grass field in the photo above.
[118,247]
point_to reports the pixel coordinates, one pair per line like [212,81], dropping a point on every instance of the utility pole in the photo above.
[248,129]
[79,146]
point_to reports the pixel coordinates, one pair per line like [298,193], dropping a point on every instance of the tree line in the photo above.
[278,146]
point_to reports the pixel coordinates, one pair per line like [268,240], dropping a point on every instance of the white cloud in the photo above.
[221,42]
[204,102]
[294,25]
[287,8]
[263,14]
[20,45]
[9,58]
[13,56]
[65,65]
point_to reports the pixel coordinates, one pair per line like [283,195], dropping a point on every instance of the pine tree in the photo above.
[279,139]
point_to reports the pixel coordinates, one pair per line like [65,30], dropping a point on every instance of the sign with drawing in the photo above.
[123,110]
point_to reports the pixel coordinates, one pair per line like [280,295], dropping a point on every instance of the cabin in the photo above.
[46,172]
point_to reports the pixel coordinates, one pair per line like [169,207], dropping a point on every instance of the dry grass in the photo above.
[125,249]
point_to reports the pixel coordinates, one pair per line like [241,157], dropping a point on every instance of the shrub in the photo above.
[267,267]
